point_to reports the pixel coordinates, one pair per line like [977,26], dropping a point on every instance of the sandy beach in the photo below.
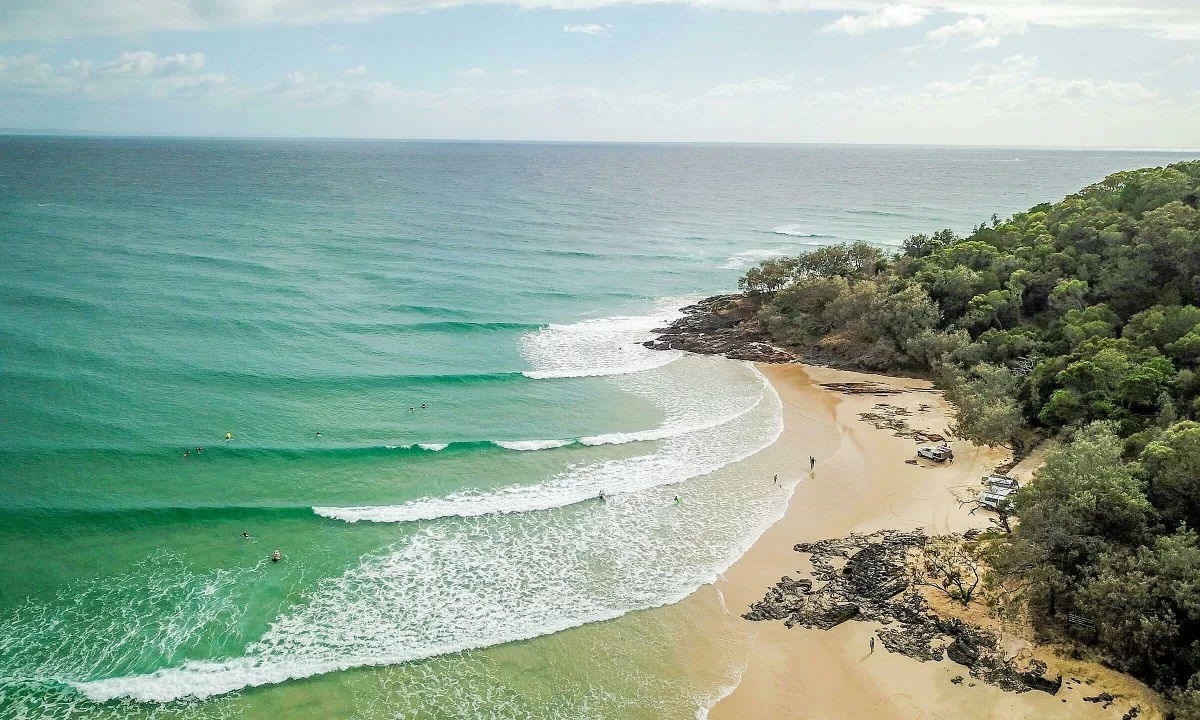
[862,484]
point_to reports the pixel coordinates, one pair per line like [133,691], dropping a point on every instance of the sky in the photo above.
[1097,73]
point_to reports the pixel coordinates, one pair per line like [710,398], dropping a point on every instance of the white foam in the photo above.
[751,257]
[797,231]
[668,430]
[599,347]
[433,446]
[690,452]
[526,445]
[465,583]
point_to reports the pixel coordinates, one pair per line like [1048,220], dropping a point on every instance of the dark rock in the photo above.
[1038,681]
[720,325]
[963,651]
[873,585]
[957,679]
[1101,698]
[1133,713]
[837,615]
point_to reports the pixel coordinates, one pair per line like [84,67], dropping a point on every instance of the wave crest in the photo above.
[599,347]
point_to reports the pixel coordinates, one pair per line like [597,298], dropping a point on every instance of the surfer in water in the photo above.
[245,536]
[275,556]
[228,436]
[187,453]
[678,500]
[318,433]
[602,495]
[199,450]
[423,406]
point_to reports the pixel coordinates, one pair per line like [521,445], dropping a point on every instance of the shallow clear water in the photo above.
[460,323]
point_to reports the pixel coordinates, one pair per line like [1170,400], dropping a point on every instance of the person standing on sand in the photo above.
[776,479]
[872,644]
[812,462]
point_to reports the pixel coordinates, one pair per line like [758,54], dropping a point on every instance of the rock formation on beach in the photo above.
[866,577]
[720,325]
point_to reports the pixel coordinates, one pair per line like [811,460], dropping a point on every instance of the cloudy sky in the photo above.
[1119,73]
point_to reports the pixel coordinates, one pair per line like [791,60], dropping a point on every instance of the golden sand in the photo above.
[862,484]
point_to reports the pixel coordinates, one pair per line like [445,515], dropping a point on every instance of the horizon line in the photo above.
[83,134]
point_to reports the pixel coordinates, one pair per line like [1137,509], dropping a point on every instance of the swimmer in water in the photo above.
[411,408]
[245,536]
[199,450]
[275,556]
[602,495]
[678,499]
[423,406]
[228,437]
[318,433]
[186,453]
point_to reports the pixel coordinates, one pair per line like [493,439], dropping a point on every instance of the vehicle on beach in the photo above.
[997,488]
[1000,481]
[938,454]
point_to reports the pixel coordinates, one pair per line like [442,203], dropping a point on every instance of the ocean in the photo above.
[427,360]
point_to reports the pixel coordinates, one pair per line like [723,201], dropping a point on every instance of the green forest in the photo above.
[1078,320]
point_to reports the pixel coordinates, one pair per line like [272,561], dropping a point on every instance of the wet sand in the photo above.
[861,484]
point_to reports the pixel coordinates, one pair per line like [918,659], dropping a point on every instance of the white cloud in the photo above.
[475,72]
[130,73]
[985,31]
[752,87]
[882,18]
[1186,61]
[589,29]
[336,47]
[1011,85]
[52,19]
[146,64]
[984,43]
[520,72]
[357,70]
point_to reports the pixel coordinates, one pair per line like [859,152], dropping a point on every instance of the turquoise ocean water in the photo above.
[460,323]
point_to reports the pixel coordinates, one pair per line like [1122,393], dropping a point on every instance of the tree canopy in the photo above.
[1079,319]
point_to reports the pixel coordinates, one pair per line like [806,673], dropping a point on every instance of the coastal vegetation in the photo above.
[1079,320]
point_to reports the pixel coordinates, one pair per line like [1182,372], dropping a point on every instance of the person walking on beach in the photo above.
[776,479]
[872,644]
[812,462]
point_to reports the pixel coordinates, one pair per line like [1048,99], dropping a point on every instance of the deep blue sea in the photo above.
[410,367]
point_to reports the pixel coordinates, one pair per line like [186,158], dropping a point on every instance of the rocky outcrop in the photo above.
[720,325]
[865,577]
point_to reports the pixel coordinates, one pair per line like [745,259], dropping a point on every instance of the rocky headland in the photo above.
[720,325]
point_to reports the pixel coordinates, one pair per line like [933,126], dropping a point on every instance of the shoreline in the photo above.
[861,484]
